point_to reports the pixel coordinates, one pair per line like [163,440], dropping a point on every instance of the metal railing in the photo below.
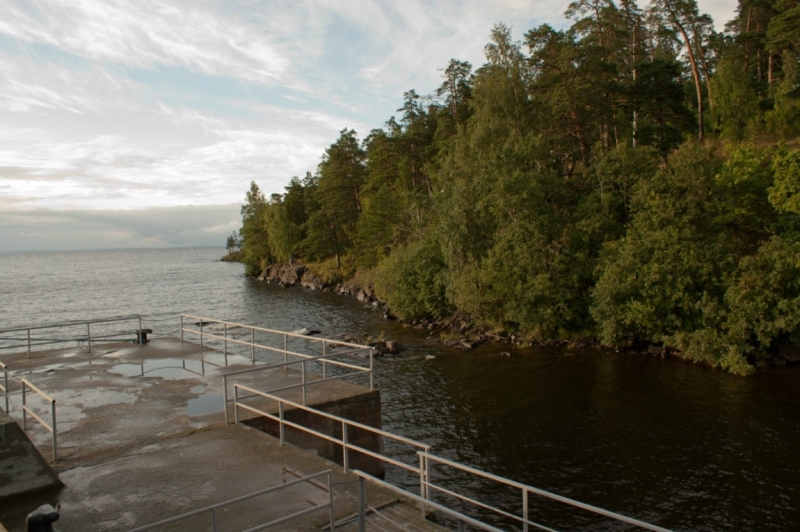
[304,381]
[462,520]
[27,410]
[345,424]
[214,507]
[30,342]
[4,386]
[427,489]
[325,343]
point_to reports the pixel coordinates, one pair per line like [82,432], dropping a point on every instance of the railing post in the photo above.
[5,386]
[281,428]
[89,335]
[55,444]
[224,395]
[324,366]
[181,328]
[252,345]
[235,405]
[214,520]
[462,526]
[422,486]
[140,330]
[362,505]
[371,353]
[24,412]
[345,454]
[225,344]
[29,343]
[330,502]
[201,332]
[303,372]
[524,510]
[285,354]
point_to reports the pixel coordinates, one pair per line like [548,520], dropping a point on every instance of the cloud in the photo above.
[148,33]
[42,229]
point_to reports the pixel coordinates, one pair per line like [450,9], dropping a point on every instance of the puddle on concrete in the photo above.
[166,368]
[205,404]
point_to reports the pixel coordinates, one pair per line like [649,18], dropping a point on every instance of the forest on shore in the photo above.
[631,180]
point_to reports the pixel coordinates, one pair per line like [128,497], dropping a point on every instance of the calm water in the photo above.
[685,447]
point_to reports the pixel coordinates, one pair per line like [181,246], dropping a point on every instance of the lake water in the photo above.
[682,446]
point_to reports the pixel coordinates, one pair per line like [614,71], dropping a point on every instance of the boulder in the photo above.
[312,281]
[392,347]
[790,353]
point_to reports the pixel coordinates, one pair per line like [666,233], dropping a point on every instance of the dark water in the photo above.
[682,446]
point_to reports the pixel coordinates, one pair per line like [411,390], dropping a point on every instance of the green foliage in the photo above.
[784,118]
[412,281]
[735,101]
[785,193]
[553,191]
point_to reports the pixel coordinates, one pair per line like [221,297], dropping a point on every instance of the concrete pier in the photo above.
[142,437]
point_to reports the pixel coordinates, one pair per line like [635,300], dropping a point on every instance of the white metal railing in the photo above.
[214,507]
[363,505]
[345,424]
[4,386]
[27,410]
[227,326]
[427,489]
[31,342]
[304,380]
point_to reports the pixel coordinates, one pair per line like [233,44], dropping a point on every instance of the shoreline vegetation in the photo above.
[631,182]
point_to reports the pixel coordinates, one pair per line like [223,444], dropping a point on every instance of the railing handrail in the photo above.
[37,390]
[334,417]
[278,350]
[71,324]
[529,489]
[414,497]
[28,410]
[213,507]
[272,331]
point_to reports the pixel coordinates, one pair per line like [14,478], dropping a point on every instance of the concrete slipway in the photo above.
[142,437]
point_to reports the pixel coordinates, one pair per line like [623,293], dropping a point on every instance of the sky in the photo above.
[141,123]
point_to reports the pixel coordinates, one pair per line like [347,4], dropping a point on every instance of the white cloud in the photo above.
[149,33]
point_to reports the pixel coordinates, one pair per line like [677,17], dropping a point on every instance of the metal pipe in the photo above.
[235,405]
[252,345]
[201,333]
[324,366]
[362,505]
[55,445]
[24,411]
[181,328]
[285,351]
[524,510]
[89,335]
[303,381]
[225,395]
[225,348]
[345,453]
[281,426]
[29,343]
[5,386]
[140,330]
[371,353]
[330,501]
[214,520]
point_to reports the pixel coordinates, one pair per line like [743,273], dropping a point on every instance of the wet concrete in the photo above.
[138,447]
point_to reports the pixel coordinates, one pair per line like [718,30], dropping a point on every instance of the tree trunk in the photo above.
[695,75]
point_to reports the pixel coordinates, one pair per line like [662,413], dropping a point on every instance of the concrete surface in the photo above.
[142,438]
[22,468]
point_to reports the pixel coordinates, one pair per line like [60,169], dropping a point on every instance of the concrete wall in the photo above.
[22,468]
[363,408]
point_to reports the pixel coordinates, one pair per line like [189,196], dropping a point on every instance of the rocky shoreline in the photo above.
[458,330]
